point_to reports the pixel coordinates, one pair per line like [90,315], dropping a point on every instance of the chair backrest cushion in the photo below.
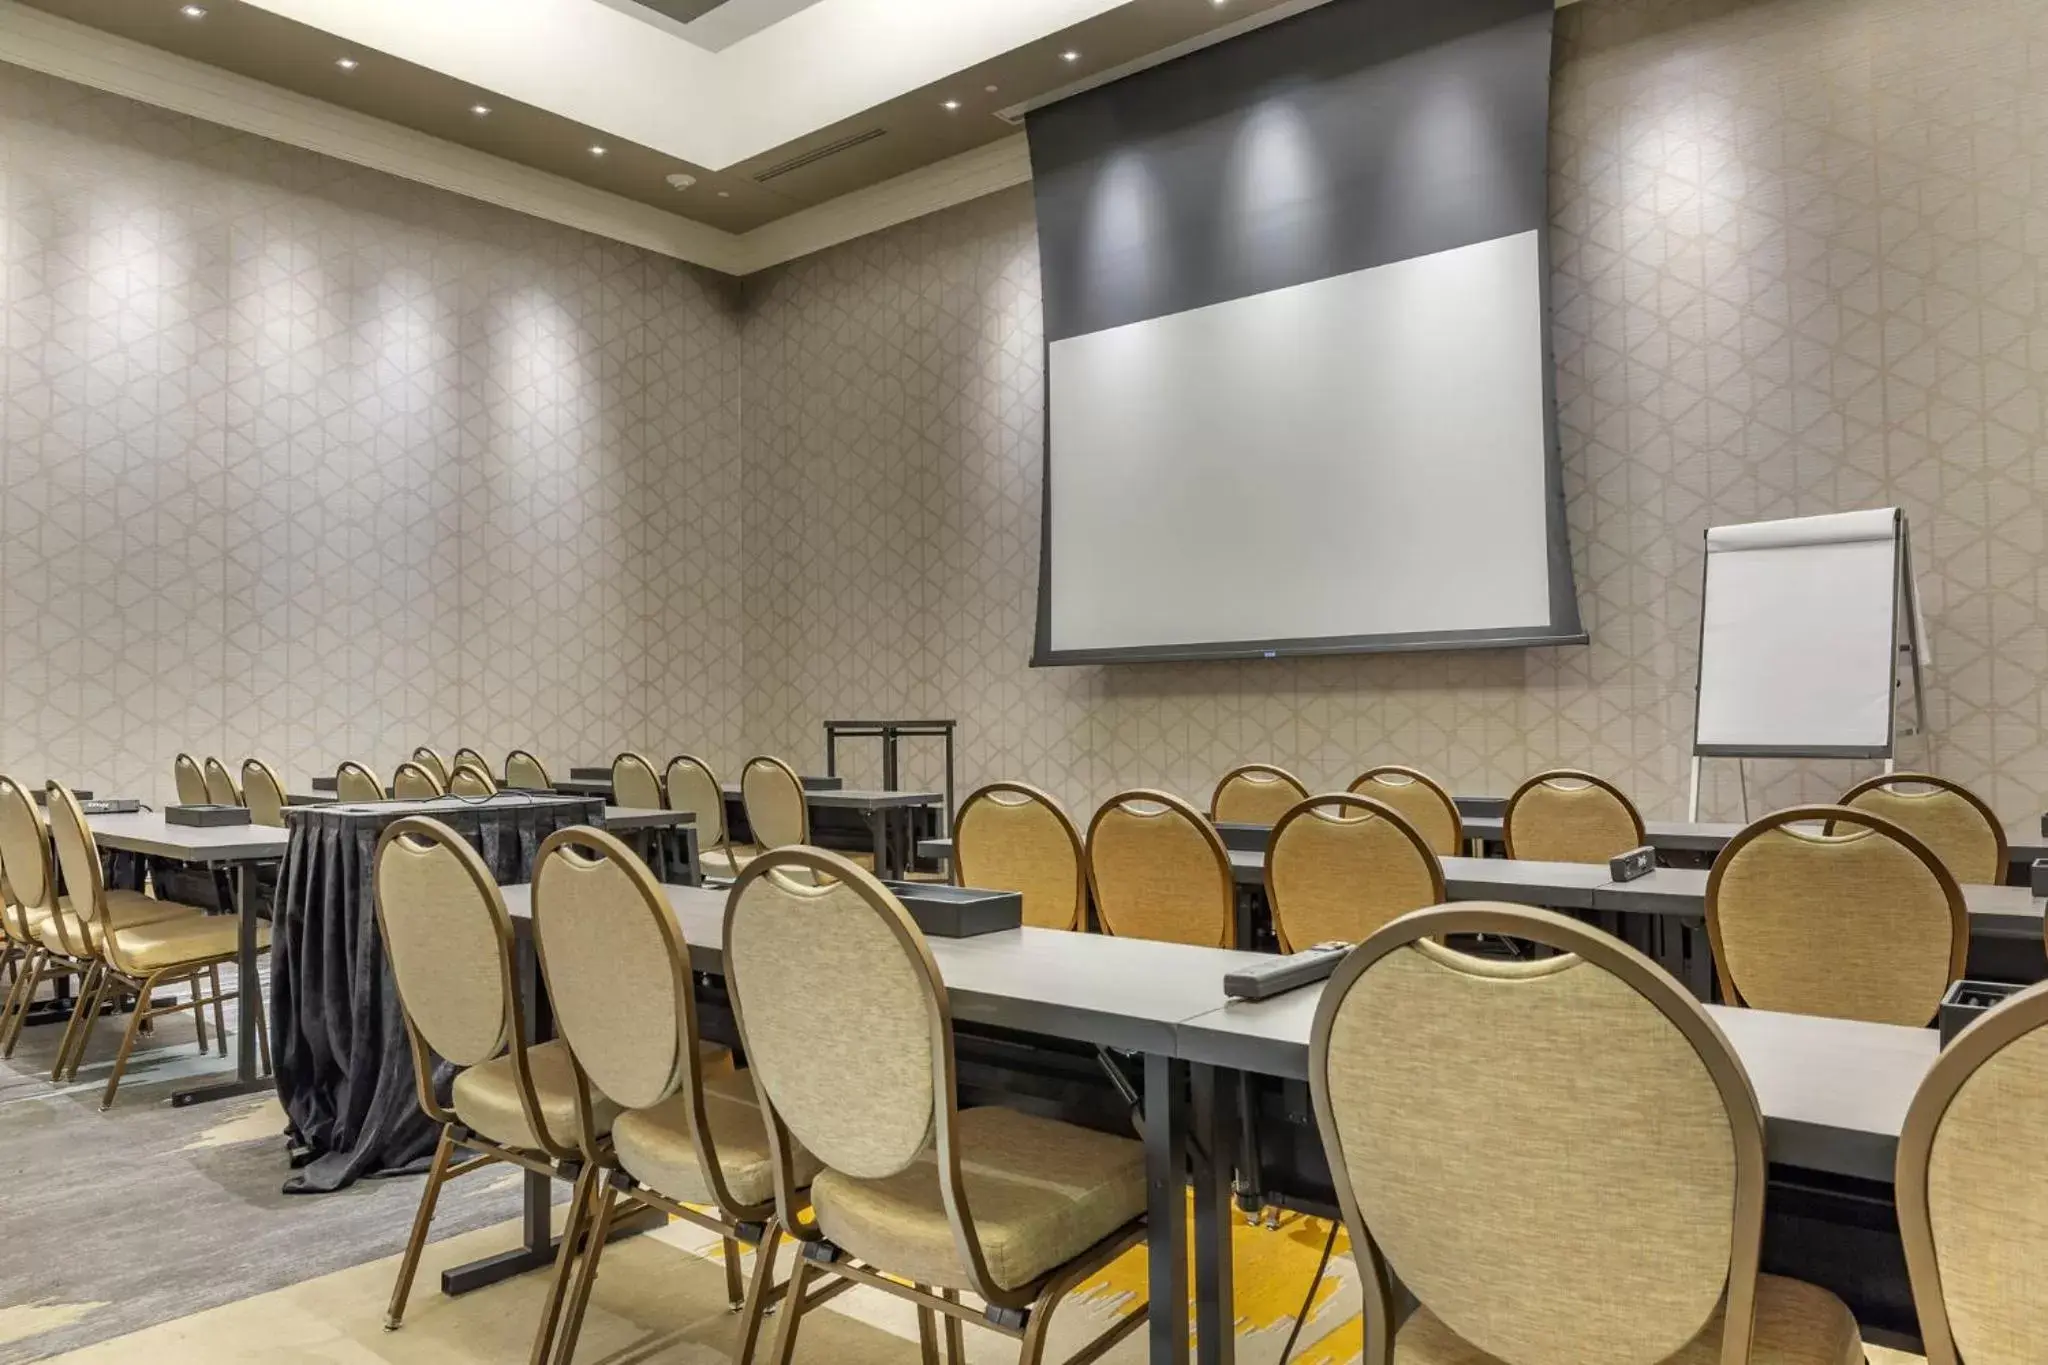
[615,968]
[1339,867]
[1009,838]
[1857,924]
[1563,817]
[190,781]
[354,783]
[774,798]
[1255,794]
[693,787]
[836,1001]
[1421,801]
[524,772]
[24,854]
[410,781]
[1159,872]
[1452,1081]
[430,759]
[472,781]
[443,934]
[220,784]
[1957,827]
[635,784]
[262,793]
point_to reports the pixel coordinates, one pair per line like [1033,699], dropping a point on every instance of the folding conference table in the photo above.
[238,848]
[1834,1093]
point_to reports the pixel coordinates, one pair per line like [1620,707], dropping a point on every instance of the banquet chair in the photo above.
[189,780]
[525,773]
[220,784]
[472,781]
[430,759]
[1158,870]
[1636,1229]
[1255,794]
[1422,801]
[915,1197]
[635,784]
[414,781]
[1566,816]
[1856,919]
[355,783]
[1949,818]
[1339,867]
[263,793]
[1011,837]
[694,787]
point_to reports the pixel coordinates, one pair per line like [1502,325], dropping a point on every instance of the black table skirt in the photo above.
[344,1069]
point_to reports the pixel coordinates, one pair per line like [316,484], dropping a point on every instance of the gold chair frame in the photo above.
[1174,806]
[1252,772]
[414,768]
[1553,775]
[518,756]
[37,961]
[189,780]
[221,788]
[1353,802]
[348,770]
[640,766]
[1039,797]
[255,771]
[797,783]
[1942,786]
[1421,779]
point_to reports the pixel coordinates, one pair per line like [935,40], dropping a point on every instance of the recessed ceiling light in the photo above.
[725,194]
[990,88]
[597,151]
[347,63]
[479,109]
[1070,56]
[950,105]
[193,11]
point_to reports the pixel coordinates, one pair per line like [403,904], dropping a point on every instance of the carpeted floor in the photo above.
[153,1234]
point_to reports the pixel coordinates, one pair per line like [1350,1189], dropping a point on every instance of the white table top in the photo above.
[148,832]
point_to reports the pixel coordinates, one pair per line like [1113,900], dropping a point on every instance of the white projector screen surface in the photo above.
[1363,455]
[1798,636]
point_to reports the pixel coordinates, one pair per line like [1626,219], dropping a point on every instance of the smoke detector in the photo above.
[682,180]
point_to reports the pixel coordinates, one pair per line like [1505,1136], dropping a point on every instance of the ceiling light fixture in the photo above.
[1070,56]
[597,151]
[725,194]
[347,63]
[193,11]
[480,109]
[950,105]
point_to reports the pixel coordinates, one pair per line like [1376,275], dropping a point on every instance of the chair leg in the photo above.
[927,1334]
[792,1311]
[135,1022]
[83,1013]
[597,1226]
[956,1339]
[758,1287]
[37,967]
[734,1295]
[220,1016]
[199,1016]
[409,1264]
[21,970]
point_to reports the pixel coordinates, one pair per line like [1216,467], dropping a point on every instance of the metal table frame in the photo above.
[890,732]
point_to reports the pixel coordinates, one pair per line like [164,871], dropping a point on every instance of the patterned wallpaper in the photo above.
[1796,268]
[304,460]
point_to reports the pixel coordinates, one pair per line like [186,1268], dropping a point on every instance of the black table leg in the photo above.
[248,998]
[1215,1096]
[878,832]
[1166,1207]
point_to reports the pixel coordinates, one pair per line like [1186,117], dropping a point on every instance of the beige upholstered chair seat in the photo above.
[1041,1192]
[128,910]
[193,938]
[656,1148]
[487,1098]
[1796,1324]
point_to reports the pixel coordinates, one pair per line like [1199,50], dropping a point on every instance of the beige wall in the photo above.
[1797,267]
[303,460]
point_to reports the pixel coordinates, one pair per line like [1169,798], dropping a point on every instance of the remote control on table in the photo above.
[1283,974]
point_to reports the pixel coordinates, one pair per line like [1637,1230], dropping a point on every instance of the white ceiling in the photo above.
[779,69]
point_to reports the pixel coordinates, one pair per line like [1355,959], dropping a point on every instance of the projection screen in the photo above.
[1298,362]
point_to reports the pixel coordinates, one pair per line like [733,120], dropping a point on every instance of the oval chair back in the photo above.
[467,757]
[354,783]
[1966,1251]
[1613,1068]
[1255,794]
[635,784]
[1566,816]
[1011,837]
[263,793]
[1339,867]
[1158,870]
[1855,920]
[525,773]
[189,780]
[1422,801]
[25,874]
[414,781]
[472,781]
[692,786]
[220,784]
[773,795]
[1949,818]
[430,758]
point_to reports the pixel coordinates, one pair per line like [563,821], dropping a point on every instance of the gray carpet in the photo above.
[150,1213]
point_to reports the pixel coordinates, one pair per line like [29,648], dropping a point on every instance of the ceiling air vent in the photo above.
[817,154]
